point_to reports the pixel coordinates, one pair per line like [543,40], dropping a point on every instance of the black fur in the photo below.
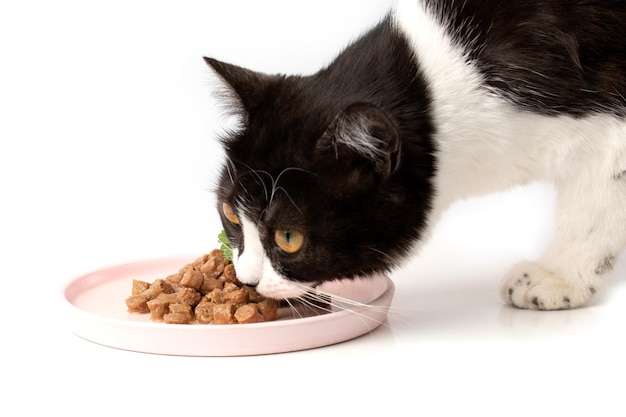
[287,167]
[552,57]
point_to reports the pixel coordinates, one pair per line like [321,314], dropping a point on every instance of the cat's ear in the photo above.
[247,85]
[360,148]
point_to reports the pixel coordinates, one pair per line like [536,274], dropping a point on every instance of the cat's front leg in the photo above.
[590,233]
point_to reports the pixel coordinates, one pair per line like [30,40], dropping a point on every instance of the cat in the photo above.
[345,172]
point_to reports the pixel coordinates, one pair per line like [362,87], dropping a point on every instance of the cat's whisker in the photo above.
[388,259]
[306,171]
[316,303]
[319,302]
[230,169]
[342,303]
[290,199]
[307,308]
[296,313]
[275,186]
[257,173]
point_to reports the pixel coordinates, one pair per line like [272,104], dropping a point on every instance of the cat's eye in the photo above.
[289,241]
[229,213]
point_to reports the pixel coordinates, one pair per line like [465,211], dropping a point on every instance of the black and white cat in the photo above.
[345,172]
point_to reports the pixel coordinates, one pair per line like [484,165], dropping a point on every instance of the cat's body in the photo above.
[347,171]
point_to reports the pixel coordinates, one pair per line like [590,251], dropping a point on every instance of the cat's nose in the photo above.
[249,281]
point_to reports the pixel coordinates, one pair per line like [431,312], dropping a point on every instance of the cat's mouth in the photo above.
[257,271]
[273,285]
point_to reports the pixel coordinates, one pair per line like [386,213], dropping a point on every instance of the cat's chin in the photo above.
[283,289]
[273,285]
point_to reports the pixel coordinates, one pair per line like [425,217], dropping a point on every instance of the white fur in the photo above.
[249,264]
[355,134]
[486,145]
[255,268]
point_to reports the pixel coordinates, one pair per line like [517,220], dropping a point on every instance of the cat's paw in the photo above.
[530,286]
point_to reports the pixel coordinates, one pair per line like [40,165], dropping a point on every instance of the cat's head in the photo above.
[317,183]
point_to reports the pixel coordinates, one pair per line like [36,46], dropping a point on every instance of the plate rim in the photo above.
[76,314]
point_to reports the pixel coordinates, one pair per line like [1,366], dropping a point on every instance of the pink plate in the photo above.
[97,312]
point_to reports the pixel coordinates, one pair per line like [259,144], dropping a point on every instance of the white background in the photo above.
[108,154]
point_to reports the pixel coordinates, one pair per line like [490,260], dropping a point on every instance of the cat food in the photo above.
[203,291]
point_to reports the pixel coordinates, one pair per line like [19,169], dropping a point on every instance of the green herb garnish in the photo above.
[225,247]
